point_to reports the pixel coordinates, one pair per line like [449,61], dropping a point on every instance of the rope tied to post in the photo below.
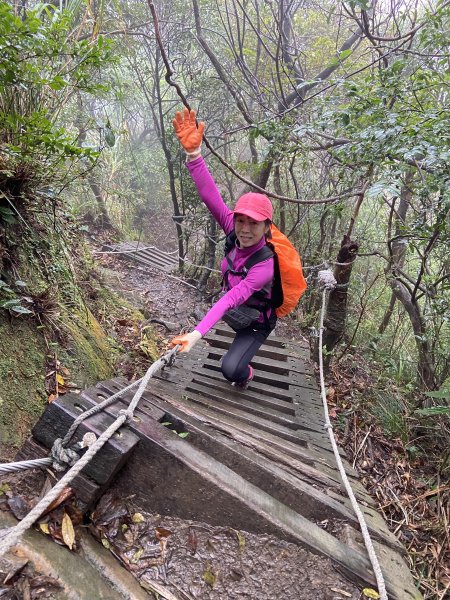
[9,537]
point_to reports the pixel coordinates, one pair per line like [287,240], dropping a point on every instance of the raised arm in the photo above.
[190,137]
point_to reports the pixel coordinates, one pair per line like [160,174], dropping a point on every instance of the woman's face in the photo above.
[248,231]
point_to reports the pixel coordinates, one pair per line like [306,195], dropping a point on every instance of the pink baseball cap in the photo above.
[254,205]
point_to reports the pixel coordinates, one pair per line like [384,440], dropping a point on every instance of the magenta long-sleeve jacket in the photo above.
[259,276]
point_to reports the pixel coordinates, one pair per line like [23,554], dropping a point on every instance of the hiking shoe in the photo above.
[244,384]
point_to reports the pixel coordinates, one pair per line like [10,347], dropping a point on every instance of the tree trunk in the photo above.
[336,312]
[104,221]
[282,204]
[398,247]
[388,314]
[425,364]
[210,253]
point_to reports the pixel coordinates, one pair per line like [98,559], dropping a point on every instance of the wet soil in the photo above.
[196,560]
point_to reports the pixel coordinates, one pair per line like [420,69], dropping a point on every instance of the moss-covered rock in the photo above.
[88,354]
[22,378]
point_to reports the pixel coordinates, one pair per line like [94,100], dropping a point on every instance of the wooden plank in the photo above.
[266,350]
[238,400]
[304,397]
[59,416]
[272,379]
[272,340]
[85,489]
[217,382]
[271,365]
[245,399]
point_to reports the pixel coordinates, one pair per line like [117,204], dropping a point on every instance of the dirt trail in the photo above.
[168,298]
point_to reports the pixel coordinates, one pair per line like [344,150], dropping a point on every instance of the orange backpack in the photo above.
[292,281]
[289,282]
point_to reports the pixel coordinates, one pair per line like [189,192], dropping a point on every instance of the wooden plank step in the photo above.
[248,412]
[300,344]
[227,497]
[151,257]
[292,378]
[241,401]
[266,350]
[153,252]
[271,365]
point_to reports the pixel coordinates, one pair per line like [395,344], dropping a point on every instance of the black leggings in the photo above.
[243,348]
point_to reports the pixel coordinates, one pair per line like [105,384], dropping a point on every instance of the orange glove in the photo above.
[187,341]
[189,135]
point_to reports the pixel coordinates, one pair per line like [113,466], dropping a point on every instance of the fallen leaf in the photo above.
[342,592]
[370,593]
[162,533]
[19,507]
[137,555]
[52,397]
[137,518]
[44,528]
[63,496]
[60,379]
[330,394]
[209,577]
[192,541]
[68,532]
[43,587]
[241,540]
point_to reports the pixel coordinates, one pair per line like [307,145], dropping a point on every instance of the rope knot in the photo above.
[326,279]
[127,412]
[63,457]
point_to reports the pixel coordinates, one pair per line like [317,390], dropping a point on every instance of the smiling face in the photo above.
[248,231]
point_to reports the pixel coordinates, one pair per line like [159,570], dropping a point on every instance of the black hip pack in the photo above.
[247,314]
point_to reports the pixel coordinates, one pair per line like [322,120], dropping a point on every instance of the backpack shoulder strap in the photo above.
[230,242]
[262,254]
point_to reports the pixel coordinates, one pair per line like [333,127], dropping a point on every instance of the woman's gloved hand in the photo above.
[189,135]
[187,341]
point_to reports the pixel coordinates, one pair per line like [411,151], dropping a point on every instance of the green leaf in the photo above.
[10,303]
[345,54]
[110,137]
[22,310]
[433,411]
[439,394]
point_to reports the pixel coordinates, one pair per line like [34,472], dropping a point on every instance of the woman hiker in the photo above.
[250,220]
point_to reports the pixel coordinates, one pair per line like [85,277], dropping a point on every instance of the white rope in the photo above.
[328,426]
[23,465]
[10,537]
